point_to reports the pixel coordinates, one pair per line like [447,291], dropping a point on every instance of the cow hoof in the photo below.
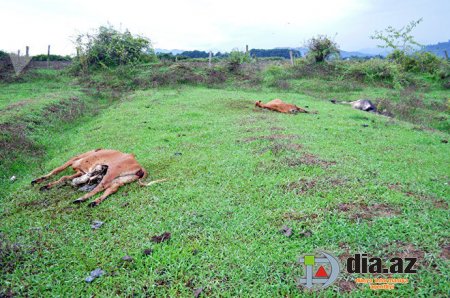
[77,201]
[45,187]
[93,204]
[33,182]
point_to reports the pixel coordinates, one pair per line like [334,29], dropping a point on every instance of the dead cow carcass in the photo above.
[99,170]
[364,105]
[360,104]
[279,106]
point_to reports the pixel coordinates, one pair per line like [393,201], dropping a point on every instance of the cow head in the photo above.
[297,110]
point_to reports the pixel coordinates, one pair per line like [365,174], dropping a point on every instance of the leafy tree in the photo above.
[398,39]
[236,58]
[108,47]
[321,47]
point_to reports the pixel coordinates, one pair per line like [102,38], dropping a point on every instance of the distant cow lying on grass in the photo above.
[279,106]
[98,170]
[360,104]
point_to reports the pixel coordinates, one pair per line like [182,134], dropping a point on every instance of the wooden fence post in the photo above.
[246,49]
[48,56]
[291,54]
[210,58]
[446,54]
[27,51]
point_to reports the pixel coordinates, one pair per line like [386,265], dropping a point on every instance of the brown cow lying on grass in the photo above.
[279,106]
[99,170]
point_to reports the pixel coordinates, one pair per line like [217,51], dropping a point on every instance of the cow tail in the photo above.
[142,174]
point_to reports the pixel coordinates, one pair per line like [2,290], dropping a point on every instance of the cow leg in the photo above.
[114,186]
[96,190]
[62,179]
[110,190]
[54,172]
[104,184]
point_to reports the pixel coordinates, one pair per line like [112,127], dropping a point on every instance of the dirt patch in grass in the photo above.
[441,204]
[277,148]
[346,285]
[162,283]
[255,129]
[346,254]
[395,186]
[307,159]
[298,216]
[437,203]
[405,250]
[303,185]
[278,143]
[359,211]
[445,252]
[272,137]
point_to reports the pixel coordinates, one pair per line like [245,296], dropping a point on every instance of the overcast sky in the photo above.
[217,25]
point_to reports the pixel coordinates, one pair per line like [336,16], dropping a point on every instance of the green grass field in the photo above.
[344,180]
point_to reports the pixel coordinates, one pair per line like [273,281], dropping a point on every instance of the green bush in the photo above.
[443,73]
[419,62]
[236,58]
[427,62]
[321,47]
[275,75]
[108,47]
[376,70]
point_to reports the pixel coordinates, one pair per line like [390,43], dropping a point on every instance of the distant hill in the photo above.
[438,48]
[164,51]
[346,54]
[375,51]
[301,50]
